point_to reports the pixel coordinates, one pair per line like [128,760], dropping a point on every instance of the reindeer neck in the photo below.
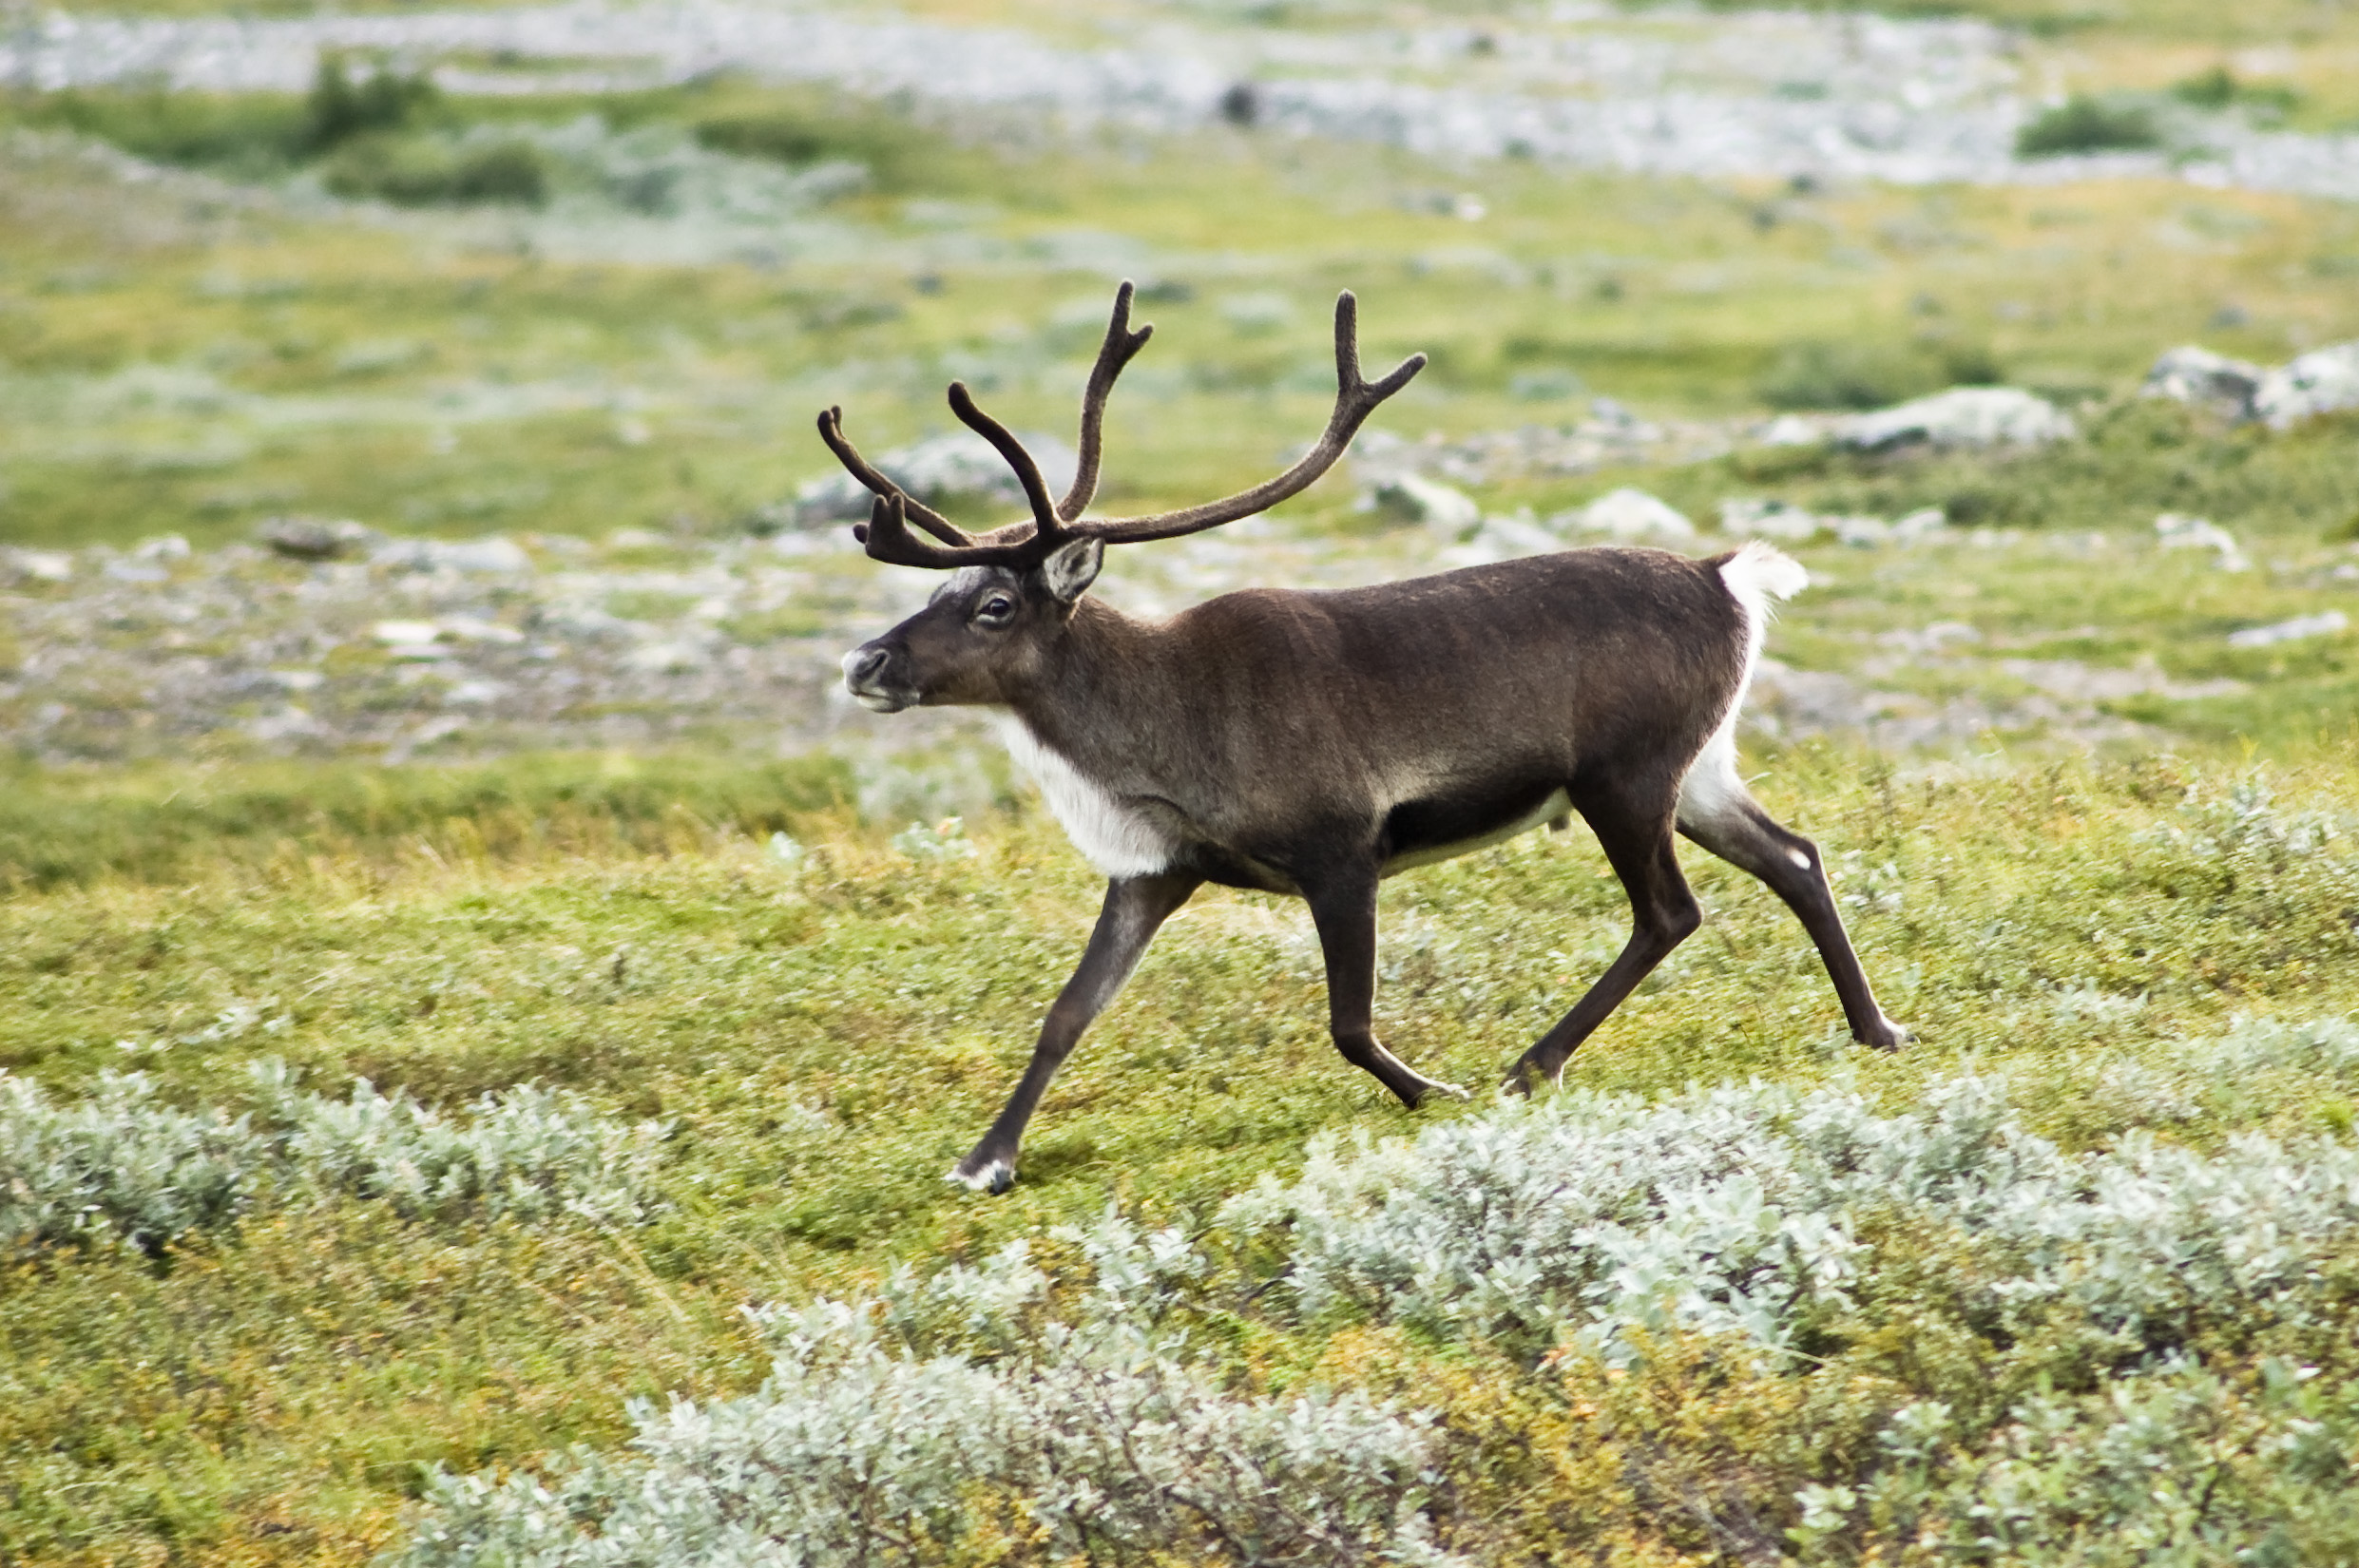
[1106,692]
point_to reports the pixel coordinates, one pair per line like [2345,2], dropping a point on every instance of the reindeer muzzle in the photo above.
[869,676]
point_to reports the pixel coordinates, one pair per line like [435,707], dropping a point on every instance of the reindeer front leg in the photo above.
[1342,907]
[1135,909]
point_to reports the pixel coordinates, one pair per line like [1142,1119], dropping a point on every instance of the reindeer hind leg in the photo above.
[1634,830]
[1717,812]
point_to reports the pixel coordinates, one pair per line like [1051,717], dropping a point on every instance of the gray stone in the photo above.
[1412,498]
[2177,532]
[2322,381]
[2326,623]
[493,553]
[1632,514]
[38,566]
[310,539]
[1961,417]
[2202,379]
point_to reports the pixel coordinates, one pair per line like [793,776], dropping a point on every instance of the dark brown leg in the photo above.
[1342,907]
[1135,908]
[1740,832]
[1662,913]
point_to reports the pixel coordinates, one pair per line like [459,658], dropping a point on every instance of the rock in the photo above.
[1501,539]
[1632,514]
[493,553]
[412,639]
[2175,531]
[167,547]
[958,466]
[665,659]
[2321,381]
[38,566]
[1961,417]
[308,539]
[2205,381]
[1749,519]
[472,628]
[1925,523]
[1411,497]
[475,692]
[2327,623]
[1791,429]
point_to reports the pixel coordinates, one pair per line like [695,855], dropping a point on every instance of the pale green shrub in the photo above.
[901,1427]
[531,1152]
[2180,1467]
[1756,1210]
[120,1168]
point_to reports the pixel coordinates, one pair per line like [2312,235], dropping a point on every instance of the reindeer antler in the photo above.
[1117,350]
[831,431]
[886,533]
[1356,400]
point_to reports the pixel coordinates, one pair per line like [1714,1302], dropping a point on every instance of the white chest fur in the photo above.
[1116,838]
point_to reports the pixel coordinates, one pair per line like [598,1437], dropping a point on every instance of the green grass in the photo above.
[827,1037]
[270,1393]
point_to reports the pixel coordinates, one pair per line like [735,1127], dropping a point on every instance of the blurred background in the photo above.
[413,384]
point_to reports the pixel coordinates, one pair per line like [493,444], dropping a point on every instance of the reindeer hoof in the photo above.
[1449,1089]
[993,1175]
[1888,1036]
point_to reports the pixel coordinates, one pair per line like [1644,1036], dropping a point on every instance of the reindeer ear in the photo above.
[1071,569]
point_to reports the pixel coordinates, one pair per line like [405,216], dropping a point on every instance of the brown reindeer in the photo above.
[1315,743]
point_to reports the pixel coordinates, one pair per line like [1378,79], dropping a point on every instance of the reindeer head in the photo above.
[989,627]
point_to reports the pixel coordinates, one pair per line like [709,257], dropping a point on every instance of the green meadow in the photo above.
[251,1315]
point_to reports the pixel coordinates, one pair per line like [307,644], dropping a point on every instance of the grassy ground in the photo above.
[824,1038]
[824,1033]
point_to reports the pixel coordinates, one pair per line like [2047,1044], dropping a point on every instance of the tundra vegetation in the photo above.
[534,1157]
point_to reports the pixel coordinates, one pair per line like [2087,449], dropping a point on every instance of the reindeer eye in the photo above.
[999,607]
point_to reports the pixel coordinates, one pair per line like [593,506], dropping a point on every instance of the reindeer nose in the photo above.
[862,662]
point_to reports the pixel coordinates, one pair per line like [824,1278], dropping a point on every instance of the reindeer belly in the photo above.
[1418,832]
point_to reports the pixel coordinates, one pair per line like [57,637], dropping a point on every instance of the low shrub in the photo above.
[2083,124]
[242,135]
[2218,89]
[981,1415]
[339,108]
[1844,375]
[120,1168]
[430,171]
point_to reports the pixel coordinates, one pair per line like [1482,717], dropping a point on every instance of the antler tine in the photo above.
[1119,347]
[1356,400]
[1047,524]
[831,431]
[888,537]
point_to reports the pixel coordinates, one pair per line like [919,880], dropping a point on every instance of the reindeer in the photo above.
[1312,744]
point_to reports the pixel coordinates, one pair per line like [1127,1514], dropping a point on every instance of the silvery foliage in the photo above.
[1756,1210]
[122,1167]
[2247,825]
[531,1152]
[117,1166]
[2180,1466]
[891,1425]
